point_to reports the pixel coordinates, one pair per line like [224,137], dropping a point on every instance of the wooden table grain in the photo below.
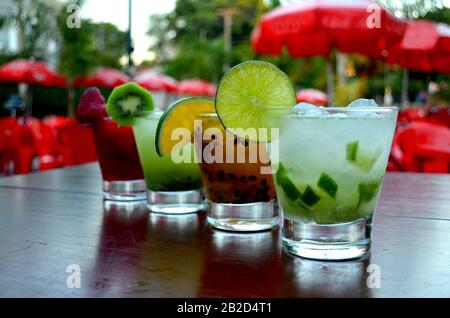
[49,221]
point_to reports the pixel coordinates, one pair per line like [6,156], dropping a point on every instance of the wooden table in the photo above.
[51,220]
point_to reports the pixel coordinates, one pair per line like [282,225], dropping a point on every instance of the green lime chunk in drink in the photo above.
[327,184]
[309,197]
[289,188]
[368,191]
[352,150]
[365,160]
[248,97]
[286,184]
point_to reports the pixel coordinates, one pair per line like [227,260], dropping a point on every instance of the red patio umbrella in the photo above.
[316,27]
[419,47]
[157,83]
[312,96]
[425,47]
[196,88]
[30,72]
[440,61]
[102,77]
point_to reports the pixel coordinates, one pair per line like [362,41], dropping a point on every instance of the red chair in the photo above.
[425,147]
[440,116]
[18,147]
[5,122]
[411,114]
[48,149]
[396,157]
[77,144]
[55,121]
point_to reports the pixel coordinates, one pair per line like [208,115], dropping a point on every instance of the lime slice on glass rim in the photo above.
[250,95]
[180,114]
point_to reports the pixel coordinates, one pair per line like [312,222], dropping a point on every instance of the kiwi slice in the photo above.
[128,102]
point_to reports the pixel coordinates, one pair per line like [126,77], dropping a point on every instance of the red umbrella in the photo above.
[316,27]
[196,88]
[156,83]
[419,47]
[425,47]
[102,77]
[440,61]
[312,96]
[30,72]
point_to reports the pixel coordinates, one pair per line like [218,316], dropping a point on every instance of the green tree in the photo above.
[412,9]
[188,42]
[110,44]
[77,55]
[36,25]
[161,35]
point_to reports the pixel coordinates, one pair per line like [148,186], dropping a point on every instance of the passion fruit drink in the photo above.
[172,188]
[331,168]
[230,181]
[234,162]
[240,197]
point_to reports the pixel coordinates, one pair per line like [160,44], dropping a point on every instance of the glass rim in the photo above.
[150,114]
[335,109]
[284,112]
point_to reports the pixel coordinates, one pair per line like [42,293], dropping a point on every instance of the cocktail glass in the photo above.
[331,168]
[239,190]
[123,179]
[172,188]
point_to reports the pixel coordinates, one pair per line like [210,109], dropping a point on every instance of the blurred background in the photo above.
[50,50]
[186,39]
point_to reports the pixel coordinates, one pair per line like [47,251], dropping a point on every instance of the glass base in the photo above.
[327,242]
[133,190]
[250,217]
[180,202]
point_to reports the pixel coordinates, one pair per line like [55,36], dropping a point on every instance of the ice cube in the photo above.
[305,106]
[337,115]
[363,103]
[310,110]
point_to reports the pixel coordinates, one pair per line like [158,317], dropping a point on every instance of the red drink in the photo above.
[123,179]
[117,152]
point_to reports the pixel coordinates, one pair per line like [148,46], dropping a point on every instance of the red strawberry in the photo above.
[92,106]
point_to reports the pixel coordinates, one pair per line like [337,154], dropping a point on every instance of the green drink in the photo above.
[172,188]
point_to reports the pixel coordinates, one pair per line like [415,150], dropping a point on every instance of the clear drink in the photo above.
[330,172]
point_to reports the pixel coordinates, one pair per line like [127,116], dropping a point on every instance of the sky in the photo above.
[116,12]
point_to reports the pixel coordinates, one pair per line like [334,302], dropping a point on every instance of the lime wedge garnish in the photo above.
[181,114]
[250,94]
